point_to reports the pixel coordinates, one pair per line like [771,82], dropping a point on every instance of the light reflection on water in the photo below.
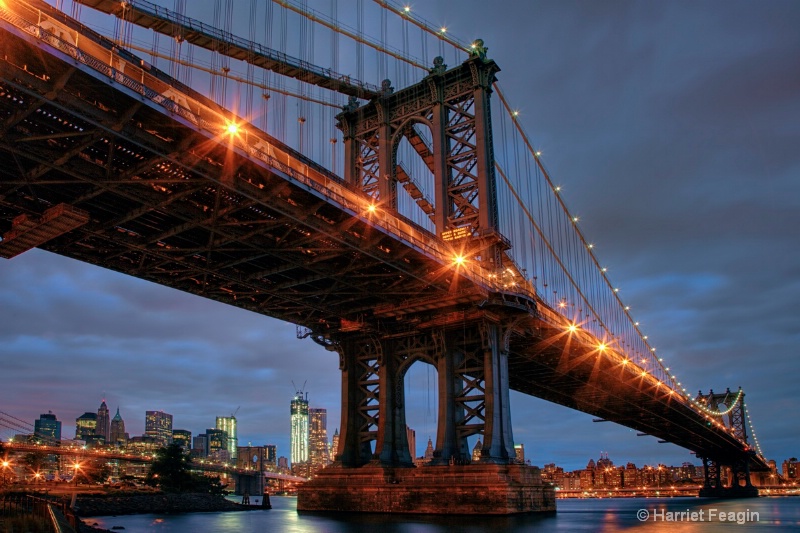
[606,515]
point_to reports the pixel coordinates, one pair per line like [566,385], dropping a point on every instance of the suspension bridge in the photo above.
[411,223]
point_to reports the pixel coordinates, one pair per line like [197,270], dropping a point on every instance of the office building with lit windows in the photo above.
[47,429]
[85,426]
[218,444]
[228,425]
[318,453]
[183,438]
[158,425]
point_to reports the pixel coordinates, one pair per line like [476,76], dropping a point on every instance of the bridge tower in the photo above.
[465,335]
[730,405]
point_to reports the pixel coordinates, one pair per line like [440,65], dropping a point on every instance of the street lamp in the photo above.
[77,467]
[6,464]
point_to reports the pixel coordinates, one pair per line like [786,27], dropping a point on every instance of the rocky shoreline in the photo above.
[88,505]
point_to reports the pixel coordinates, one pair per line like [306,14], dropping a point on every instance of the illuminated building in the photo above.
[218,444]
[158,425]
[298,437]
[631,477]
[103,428]
[411,435]
[476,451]
[272,456]
[335,445]
[228,425]
[47,428]
[519,449]
[142,444]
[318,439]
[428,452]
[118,437]
[183,438]
[85,426]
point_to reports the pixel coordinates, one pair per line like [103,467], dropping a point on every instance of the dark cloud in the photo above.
[673,129]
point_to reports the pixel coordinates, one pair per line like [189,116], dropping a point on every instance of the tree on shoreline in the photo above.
[171,472]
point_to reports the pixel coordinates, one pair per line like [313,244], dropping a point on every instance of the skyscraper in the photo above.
[228,425]
[318,439]
[85,426]
[118,437]
[158,424]
[299,434]
[334,445]
[47,428]
[103,428]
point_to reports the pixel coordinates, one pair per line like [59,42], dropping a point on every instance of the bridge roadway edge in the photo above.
[474,489]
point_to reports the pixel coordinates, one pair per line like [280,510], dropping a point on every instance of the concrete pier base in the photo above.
[470,489]
[729,492]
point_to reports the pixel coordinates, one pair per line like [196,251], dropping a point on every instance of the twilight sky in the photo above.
[674,131]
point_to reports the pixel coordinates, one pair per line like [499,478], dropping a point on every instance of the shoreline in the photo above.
[90,505]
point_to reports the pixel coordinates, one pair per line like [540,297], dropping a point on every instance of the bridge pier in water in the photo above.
[471,357]
[740,483]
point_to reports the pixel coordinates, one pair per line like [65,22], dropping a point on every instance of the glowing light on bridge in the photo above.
[601,347]
[371,208]
[459,260]
[572,328]
[232,128]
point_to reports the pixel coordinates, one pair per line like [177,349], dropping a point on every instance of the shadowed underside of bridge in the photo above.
[168,204]
[100,169]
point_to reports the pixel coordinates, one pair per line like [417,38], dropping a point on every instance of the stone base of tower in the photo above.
[468,490]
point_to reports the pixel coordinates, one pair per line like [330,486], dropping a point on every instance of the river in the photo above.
[673,515]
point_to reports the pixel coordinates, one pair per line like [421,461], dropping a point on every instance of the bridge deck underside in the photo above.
[170,205]
[564,368]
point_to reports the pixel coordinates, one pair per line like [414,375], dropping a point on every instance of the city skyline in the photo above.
[673,131]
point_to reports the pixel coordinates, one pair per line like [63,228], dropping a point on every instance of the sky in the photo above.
[673,129]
